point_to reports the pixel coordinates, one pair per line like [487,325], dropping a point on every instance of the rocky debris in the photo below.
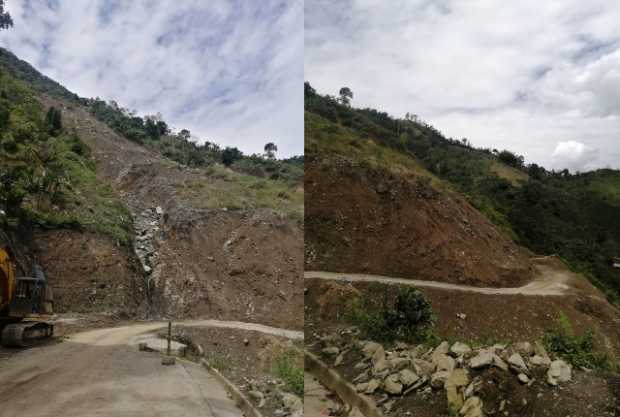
[417,370]
[147,224]
[472,408]
[517,363]
[258,396]
[293,403]
[460,349]
[392,385]
[408,377]
[454,386]
[559,371]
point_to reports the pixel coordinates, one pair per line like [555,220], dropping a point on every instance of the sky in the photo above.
[230,71]
[540,78]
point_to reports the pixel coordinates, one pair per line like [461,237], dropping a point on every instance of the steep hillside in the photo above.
[571,215]
[370,209]
[133,232]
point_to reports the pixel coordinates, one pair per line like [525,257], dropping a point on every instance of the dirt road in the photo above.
[98,373]
[551,279]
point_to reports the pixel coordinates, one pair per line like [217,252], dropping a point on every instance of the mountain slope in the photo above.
[370,210]
[572,215]
[204,241]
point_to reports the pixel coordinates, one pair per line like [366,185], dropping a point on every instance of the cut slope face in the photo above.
[362,216]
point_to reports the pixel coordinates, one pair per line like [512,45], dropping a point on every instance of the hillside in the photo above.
[125,227]
[571,215]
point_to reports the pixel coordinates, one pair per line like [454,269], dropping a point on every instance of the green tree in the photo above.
[53,118]
[5,18]
[270,150]
[346,95]
[230,155]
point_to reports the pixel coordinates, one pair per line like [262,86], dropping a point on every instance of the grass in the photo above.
[578,350]
[323,137]
[217,361]
[224,188]
[286,367]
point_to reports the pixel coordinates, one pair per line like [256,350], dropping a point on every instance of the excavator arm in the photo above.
[7,279]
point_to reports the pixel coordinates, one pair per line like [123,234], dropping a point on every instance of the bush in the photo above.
[577,350]
[293,375]
[409,319]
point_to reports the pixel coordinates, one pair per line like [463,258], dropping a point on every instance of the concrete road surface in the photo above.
[97,373]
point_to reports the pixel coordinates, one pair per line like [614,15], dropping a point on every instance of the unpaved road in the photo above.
[98,373]
[549,280]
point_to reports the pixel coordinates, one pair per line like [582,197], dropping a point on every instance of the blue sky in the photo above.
[541,78]
[229,71]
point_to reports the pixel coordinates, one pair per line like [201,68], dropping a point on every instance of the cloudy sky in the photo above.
[230,71]
[541,78]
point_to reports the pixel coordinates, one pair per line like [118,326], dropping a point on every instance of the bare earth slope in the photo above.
[200,260]
[369,220]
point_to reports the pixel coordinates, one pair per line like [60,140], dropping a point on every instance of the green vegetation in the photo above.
[577,350]
[410,318]
[286,367]
[47,176]
[572,215]
[224,187]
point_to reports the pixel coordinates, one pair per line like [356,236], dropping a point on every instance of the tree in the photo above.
[308,90]
[185,134]
[5,18]
[230,155]
[53,118]
[270,150]
[511,159]
[345,96]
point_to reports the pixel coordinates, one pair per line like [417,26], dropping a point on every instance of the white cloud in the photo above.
[523,76]
[573,155]
[229,71]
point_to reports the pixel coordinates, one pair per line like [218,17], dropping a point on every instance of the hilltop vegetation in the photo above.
[47,176]
[572,215]
[153,132]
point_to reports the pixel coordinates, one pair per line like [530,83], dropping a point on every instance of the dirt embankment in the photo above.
[471,316]
[367,220]
[89,273]
[195,261]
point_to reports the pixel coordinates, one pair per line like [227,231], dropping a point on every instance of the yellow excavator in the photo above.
[26,303]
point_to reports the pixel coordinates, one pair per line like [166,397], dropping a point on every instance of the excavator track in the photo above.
[26,334]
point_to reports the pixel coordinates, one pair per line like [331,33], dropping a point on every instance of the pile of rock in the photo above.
[269,390]
[417,369]
[147,224]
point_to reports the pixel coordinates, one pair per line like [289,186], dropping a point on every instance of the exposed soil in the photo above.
[367,220]
[488,317]
[215,263]
[89,273]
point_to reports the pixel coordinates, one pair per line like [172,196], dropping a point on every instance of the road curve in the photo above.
[552,284]
[98,373]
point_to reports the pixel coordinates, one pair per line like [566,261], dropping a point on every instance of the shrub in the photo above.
[409,319]
[577,350]
[293,375]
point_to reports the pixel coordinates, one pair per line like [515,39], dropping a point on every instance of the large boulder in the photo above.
[559,371]
[460,349]
[482,359]
[407,377]
[444,362]
[423,367]
[472,408]
[517,363]
[391,385]
[439,378]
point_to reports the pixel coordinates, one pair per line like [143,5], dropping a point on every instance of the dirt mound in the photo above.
[89,273]
[369,220]
[234,266]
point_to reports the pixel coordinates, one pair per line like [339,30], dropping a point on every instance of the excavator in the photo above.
[26,303]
